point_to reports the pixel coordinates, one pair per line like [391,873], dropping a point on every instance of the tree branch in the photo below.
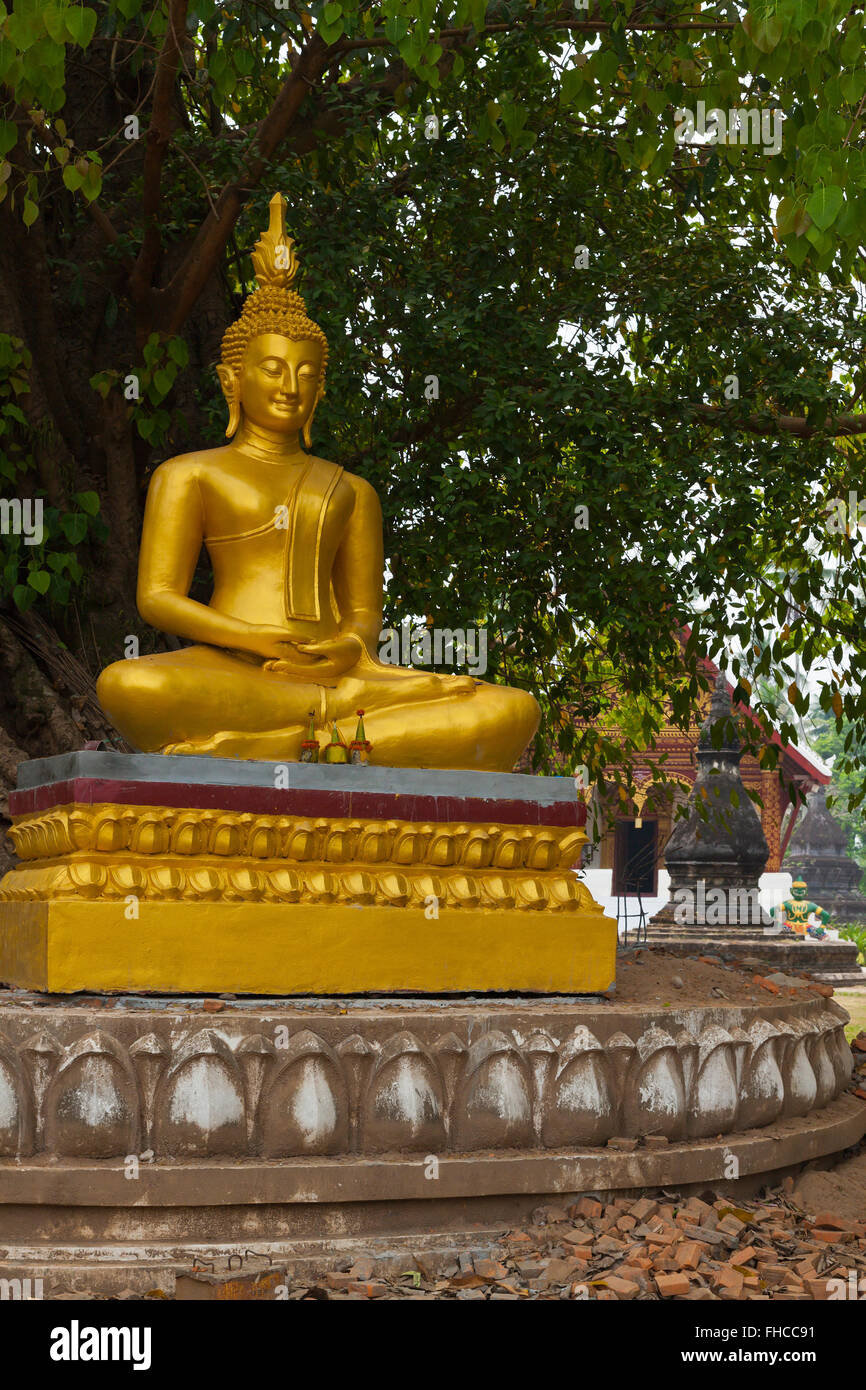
[158,138]
[788,424]
[585,26]
[176,300]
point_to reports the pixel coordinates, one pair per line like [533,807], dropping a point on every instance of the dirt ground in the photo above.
[650,975]
[841,1190]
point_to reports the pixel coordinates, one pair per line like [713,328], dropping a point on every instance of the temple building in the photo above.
[626,861]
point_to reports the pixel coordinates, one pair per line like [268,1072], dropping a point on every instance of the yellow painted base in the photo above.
[65,945]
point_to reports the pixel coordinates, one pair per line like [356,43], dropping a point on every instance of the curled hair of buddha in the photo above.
[271,310]
[274,307]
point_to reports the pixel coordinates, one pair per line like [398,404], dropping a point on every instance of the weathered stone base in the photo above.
[137,1136]
[77,1226]
[842,907]
[832,961]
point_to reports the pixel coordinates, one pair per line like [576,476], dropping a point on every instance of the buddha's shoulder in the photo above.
[189,468]
[364,491]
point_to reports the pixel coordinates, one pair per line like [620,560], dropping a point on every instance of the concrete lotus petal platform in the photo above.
[288,1123]
[178,874]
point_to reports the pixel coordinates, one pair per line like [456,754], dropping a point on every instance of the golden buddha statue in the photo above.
[296,612]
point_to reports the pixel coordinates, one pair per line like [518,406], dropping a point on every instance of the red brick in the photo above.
[586,1206]
[742,1257]
[698,1209]
[672,1285]
[489,1269]
[623,1288]
[690,1254]
[774,1275]
[818,1289]
[576,1235]
[767,985]
[643,1209]
[827,1220]
[559,1272]
[730,1226]
[729,1281]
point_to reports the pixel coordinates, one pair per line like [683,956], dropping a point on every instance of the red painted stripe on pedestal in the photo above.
[293,801]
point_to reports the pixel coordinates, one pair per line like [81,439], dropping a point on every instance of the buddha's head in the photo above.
[798,889]
[274,357]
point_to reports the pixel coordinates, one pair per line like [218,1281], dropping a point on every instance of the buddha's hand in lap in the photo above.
[272,643]
[332,656]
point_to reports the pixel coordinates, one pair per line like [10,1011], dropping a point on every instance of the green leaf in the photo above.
[605,66]
[572,84]
[30,213]
[55,23]
[88,502]
[91,184]
[824,205]
[786,213]
[329,33]
[72,178]
[74,527]
[40,580]
[80,25]
[8,136]
[23,597]
[765,33]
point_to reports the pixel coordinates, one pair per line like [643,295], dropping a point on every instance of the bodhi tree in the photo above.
[605,378]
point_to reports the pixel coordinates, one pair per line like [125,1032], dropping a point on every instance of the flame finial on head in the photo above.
[274,260]
[274,307]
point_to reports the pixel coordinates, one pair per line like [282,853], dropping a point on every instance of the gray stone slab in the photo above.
[232,772]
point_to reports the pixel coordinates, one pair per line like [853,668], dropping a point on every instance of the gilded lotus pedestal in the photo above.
[175,875]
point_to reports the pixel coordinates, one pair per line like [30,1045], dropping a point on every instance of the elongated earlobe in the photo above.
[307,431]
[232,393]
[234,406]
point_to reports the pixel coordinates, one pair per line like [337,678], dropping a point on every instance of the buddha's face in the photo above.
[798,891]
[279,382]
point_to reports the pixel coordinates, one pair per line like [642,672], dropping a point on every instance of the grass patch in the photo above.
[854,1000]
